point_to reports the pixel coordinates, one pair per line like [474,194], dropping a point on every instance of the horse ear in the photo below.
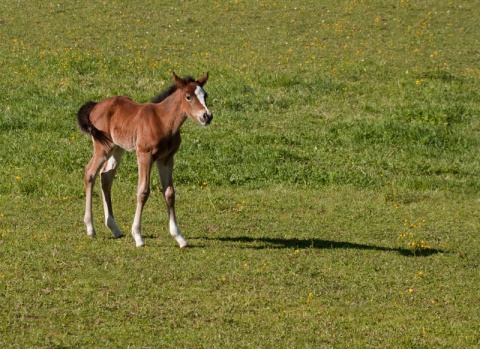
[178,81]
[203,80]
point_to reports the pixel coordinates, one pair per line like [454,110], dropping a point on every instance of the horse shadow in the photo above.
[313,243]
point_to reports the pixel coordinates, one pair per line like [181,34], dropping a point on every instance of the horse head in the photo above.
[194,98]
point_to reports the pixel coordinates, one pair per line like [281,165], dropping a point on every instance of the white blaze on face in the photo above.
[200,93]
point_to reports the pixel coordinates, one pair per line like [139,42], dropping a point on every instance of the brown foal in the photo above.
[152,130]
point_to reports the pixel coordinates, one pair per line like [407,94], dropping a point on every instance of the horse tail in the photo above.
[84,124]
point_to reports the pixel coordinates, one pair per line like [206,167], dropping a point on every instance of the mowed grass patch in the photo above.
[330,268]
[331,202]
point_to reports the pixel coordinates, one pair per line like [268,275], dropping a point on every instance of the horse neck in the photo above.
[172,111]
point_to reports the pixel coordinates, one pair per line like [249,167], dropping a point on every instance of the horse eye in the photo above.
[188,97]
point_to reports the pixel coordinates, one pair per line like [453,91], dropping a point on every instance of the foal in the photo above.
[152,130]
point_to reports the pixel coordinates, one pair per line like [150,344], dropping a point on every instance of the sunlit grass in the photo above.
[331,203]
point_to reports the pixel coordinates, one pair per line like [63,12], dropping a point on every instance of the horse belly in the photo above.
[128,143]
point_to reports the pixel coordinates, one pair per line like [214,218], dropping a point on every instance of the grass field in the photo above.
[333,201]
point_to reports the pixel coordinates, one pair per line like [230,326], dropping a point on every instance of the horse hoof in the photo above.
[139,243]
[185,245]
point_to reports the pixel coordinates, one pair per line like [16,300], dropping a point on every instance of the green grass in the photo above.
[332,202]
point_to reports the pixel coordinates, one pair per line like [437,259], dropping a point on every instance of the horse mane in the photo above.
[170,91]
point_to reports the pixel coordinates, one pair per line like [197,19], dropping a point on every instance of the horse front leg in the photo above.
[143,191]
[107,176]
[165,170]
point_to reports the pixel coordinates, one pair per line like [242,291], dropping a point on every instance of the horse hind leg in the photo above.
[91,171]
[107,176]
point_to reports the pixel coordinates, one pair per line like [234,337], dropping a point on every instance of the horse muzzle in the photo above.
[205,119]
